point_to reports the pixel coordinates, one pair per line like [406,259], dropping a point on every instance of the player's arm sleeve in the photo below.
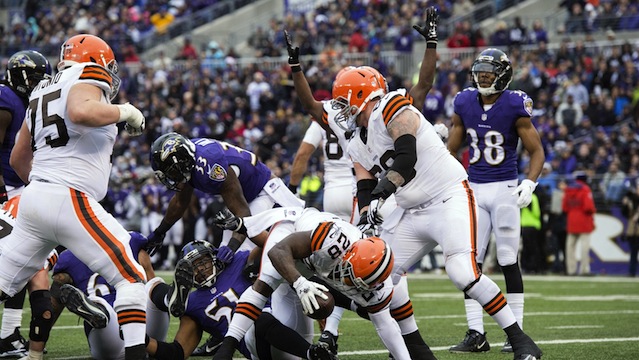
[390,334]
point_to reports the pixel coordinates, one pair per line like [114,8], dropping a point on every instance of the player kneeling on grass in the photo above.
[324,246]
[89,295]
[209,308]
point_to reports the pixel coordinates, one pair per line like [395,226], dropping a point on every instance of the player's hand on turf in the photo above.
[307,290]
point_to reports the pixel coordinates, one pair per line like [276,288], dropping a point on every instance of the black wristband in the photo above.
[431,44]
[296,68]
[234,244]
[293,188]
[163,228]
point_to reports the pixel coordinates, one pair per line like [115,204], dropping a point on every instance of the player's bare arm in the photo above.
[233,196]
[405,123]
[178,205]
[532,143]
[312,106]
[456,135]
[283,255]
[22,154]
[429,62]
[85,108]
[300,163]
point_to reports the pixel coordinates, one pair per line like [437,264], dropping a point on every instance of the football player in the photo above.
[394,143]
[64,151]
[214,167]
[89,295]
[24,71]
[327,245]
[492,119]
[210,306]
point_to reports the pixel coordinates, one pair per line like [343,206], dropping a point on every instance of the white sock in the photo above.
[11,319]
[516,302]
[474,315]
[332,322]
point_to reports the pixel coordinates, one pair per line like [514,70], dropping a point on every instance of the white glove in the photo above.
[374,215]
[134,118]
[525,191]
[307,290]
[442,131]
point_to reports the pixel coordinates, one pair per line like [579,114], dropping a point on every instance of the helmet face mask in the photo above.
[203,257]
[86,48]
[352,91]
[25,69]
[366,264]
[173,159]
[496,62]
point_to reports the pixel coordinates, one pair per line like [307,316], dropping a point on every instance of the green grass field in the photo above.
[569,317]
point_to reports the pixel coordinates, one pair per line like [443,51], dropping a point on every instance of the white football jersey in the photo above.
[65,153]
[331,237]
[435,170]
[338,167]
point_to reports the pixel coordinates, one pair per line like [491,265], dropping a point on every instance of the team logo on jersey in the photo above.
[528,105]
[484,117]
[217,173]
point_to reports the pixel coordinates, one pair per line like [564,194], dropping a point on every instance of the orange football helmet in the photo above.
[379,76]
[341,72]
[366,264]
[352,91]
[86,48]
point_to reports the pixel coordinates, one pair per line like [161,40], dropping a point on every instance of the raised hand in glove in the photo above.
[307,290]
[525,191]
[135,121]
[155,242]
[293,52]
[226,220]
[429,31]
[225,254]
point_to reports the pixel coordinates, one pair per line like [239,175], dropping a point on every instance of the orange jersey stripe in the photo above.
[319,235]
[472,209]
[393,106]
[95,72]
[324,117]
[249,310]
[410,99]
[496,304]
[381,306]
[114,249]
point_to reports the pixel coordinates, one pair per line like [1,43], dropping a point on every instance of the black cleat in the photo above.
[208,348]
[320,351]
[14,346]
[525,348]
[473,342]
[182,284]
[79,304]
[507,348]
[330,340]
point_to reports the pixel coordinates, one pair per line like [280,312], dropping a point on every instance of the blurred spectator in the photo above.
[518,34]
[569,113]
[162,61]
[255,89]
[460,38]
[557,228]
[477,39]
[162,19]
[580,211]
[188,50]
[500,37]
[630,209]
[578,91]
[538,33]
[404,42]
[357,42]
[433,108]
[576,20]
[612,183]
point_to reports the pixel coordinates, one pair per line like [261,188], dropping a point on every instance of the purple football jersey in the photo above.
[491,134]
[214,159]
[213,307]
[14,104]
[85,279]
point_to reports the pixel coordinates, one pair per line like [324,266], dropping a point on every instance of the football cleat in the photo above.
[75,300]
[525,348]
[473,342]
[320,351]
[507,348]
[180,288]
[209,348]
[14,346]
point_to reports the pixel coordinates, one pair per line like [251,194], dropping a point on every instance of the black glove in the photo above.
[155,242]
[365,227]
[4,197]
[383,190]
[293,52]
[226,220]
[429,31]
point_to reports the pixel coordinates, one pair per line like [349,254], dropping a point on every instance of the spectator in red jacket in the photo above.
[579,207]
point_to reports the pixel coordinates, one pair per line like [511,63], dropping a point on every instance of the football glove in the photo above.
[374,216]
[367,229]
[525,191]
[429,31]
[307,290]
[225,254]
[226,220]
[155,242]
[134,118]
[293,52]
[442,131]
